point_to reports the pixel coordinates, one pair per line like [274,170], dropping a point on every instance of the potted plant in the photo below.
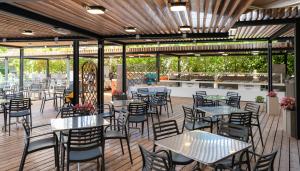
[273,107]
[261,101]
[84,109]
[289,115]
[118,95]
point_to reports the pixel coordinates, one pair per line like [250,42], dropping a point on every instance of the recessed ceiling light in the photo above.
[178,6]
[28,32]
[232,31]
[221,52]
[61,31]
[185,28]
[190,53]
[255,51]
[95,9]
[225,54]
[148,40]
[130,29]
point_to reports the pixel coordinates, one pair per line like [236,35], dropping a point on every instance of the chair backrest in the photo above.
[19,104]
[134,95]
[198,100]
[234,131]
[165,129]
[202,93]
[265,162]
[252,107]
[230,93]
[85,138]
[67,112]
[137,108]
[234,101]
[154,161]
[104,108]
[241,118]
[143,90]
[189,114]
[122,121]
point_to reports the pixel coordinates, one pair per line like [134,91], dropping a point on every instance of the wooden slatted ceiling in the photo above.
[149,17]
[12,26]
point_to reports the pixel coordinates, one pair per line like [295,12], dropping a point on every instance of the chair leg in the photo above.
[23,160]
[98,168]
[148,128]
[182,127]
[170,101]
[142,128]
[122,146]
[9,126]
[56,157]
[102,163]
[252,140]
[129,151]
[260,133]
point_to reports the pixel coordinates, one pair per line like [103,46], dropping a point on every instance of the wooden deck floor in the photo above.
[11,147]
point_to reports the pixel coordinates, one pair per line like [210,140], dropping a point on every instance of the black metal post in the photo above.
[297,76]
[270,81]
[179,66]
[47,68]
[100,76]
[286,63]
[76,71]
[21,80]
[158,66]
[124,74]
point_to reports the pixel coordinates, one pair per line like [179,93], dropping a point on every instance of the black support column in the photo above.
[100,78]
[297,76]
[270,80]
[158,66]
[21,79]
[286,63]
[47,68]
[124,73]
[76,71]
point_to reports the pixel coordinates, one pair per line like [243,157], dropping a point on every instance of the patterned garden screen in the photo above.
[89,83]
[141,74]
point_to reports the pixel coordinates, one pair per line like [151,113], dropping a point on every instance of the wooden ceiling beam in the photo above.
[266,22]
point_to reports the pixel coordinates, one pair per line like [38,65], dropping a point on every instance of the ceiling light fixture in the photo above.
[28,32]
[225,54]
[185,28]
[178,6]
[95,9]
[130,29]
[232,31]
[221,52]
[61,31]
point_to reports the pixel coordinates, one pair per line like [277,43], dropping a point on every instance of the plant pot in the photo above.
[273,107]
[289,122]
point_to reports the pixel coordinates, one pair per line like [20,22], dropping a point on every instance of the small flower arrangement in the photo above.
[288,103]
[84,108]
[272,94]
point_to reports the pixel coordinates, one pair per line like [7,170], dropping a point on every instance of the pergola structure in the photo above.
[131,22]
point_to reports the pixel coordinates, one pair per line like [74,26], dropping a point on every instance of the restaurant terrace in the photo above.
[149,85]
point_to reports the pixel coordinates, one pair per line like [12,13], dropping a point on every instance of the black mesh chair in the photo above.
[237,132]
[167,129]
[169,99]
[143,94]
[46,97]
[83,145]
[163,98]
[154,107]
[119,132]
[195,120]
[243,119]
[156,161]
[234,101]
[264,163]
[34,143]
[138,114]
[19,108]
[254,108]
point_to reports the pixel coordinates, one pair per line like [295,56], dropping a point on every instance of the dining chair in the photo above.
[234,101]
[119,131]
[243,119]
[154,108]
[237,132]
[138,114]
[84,144]
[38,142]
[106,111]
[193,120]
[198,101]
[46,97]
[163,98]
[36,88]
[159,160]
[169,99]
[167,129]
[19,108]
[254,108]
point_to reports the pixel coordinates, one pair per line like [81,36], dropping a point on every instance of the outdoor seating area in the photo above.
[161,85]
